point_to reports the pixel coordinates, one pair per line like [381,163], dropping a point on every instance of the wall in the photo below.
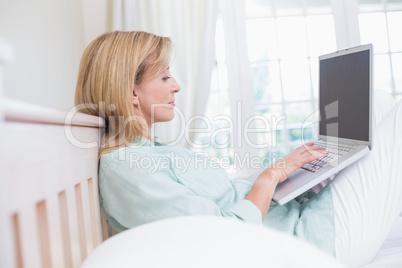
[48,38]
[97,16]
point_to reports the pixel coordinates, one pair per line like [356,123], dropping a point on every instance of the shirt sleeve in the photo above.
[137,196]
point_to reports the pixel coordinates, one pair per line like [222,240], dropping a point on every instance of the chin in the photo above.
[170,118]
[165,116]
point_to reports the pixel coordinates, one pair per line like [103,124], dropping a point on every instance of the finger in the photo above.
[314,148]
[317,152]
[307,145]
[318,148]
[311,145]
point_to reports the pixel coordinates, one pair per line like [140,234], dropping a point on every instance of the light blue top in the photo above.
[144,183]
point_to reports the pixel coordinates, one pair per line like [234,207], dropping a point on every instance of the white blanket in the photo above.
[205,241]
[390,254]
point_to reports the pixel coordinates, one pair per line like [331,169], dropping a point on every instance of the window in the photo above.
[285,38]
[379,23]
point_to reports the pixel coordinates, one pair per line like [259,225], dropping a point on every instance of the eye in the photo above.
[165,78]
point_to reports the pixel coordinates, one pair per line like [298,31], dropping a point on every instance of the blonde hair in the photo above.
[110,67]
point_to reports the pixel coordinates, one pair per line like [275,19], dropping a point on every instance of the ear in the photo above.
[135,96]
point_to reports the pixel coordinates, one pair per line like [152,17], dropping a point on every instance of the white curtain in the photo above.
[239,80]
[191,24]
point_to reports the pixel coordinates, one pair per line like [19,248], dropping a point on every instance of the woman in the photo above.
[124,77]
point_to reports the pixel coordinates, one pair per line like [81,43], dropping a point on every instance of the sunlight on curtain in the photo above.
[242,102]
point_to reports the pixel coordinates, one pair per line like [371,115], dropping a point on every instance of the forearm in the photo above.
[263,190]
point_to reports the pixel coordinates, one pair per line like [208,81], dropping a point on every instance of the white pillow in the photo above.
[205,241]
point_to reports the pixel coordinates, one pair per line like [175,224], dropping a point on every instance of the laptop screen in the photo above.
[344,84]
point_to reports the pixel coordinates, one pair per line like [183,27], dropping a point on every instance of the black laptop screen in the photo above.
[344,85]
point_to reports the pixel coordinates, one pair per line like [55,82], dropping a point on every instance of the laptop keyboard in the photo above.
[335,151]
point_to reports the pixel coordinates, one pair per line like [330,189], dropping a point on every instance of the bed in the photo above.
[50,216]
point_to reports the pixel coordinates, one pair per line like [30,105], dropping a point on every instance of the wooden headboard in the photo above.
[49,207]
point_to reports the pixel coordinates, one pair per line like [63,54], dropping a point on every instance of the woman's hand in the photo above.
[264,187]
[306,153]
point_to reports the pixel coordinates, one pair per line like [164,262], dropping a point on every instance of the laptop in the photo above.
[345,126]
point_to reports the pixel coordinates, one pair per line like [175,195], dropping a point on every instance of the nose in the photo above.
[175,88]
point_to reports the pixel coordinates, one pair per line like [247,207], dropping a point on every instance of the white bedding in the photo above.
[390,253]
[205,241]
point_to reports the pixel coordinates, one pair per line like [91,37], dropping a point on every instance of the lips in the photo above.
[172,103]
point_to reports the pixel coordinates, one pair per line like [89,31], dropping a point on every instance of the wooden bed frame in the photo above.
[49,202]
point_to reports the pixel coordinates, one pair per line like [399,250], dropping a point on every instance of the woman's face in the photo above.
[154,99]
